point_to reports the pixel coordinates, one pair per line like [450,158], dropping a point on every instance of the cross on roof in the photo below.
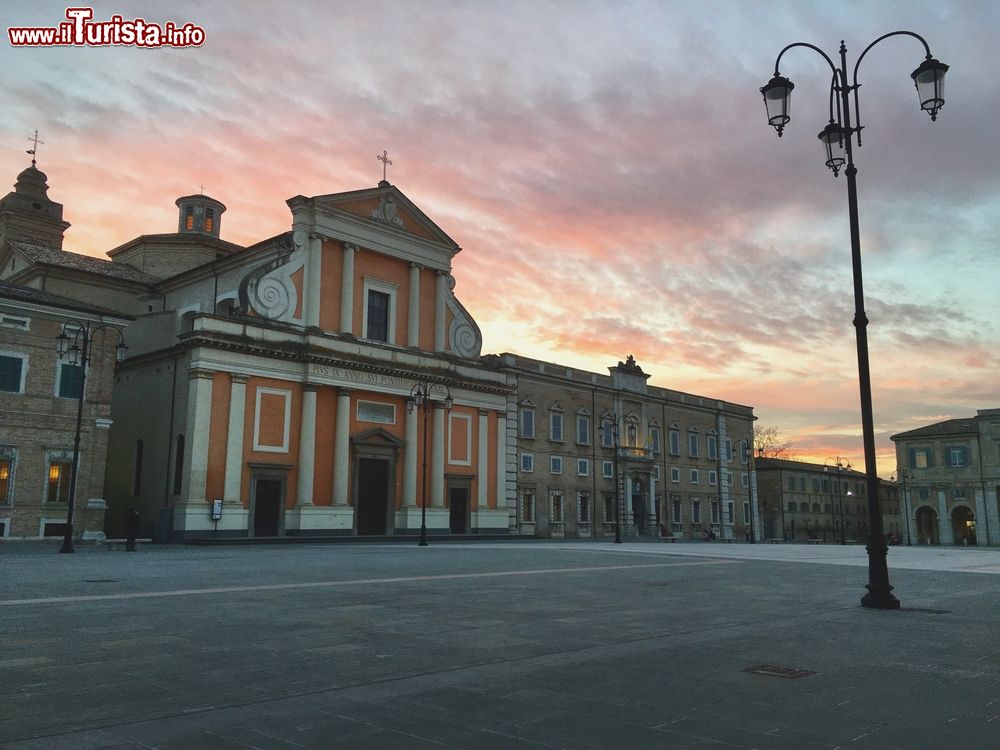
[34,149]
[386,161]
[201,188]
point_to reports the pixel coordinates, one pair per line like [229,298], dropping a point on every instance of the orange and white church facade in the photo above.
[326,381]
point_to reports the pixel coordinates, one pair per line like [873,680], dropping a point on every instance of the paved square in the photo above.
[506,645]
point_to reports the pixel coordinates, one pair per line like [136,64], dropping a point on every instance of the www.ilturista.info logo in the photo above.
[79,30]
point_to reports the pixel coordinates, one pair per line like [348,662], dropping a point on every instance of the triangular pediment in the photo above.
[377,436]
[388,206]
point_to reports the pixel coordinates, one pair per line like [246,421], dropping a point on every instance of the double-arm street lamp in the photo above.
[904,478]
[838,464]
[73,343]
[610,425]
[836,139]
[422,395]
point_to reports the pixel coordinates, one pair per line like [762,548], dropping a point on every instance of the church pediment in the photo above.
[386,205]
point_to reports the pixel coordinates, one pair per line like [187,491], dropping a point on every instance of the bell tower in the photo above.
[29,215]
[199,214]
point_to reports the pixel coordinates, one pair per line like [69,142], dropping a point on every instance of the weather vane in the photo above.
[34,149]
[386,162]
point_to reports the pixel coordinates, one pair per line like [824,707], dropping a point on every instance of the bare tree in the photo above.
[768,442]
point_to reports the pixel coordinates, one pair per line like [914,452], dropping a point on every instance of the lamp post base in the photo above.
[879,600]
[67,548]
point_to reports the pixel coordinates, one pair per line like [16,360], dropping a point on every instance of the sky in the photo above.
[606,167]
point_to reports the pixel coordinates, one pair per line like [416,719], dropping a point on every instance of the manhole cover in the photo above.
[786,672]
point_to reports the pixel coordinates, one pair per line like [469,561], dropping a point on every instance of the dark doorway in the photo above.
[639,507]
[458,510]
[267,507]
[373,495]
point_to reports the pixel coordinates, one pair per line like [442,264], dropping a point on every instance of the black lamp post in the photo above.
[611,422]
[74,341]
[420,395]
[904,478]
[836,139]
[839,464]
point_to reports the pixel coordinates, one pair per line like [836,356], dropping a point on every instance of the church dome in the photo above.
[32,183]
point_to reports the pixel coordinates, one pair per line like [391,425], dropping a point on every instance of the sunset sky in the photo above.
[606,167]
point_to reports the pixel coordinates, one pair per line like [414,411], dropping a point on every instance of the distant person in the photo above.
[131,529]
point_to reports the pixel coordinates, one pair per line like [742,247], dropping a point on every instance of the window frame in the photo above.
[23,375]
[380,287]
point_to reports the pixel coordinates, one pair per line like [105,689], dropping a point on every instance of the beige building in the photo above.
[39,399]
[801,501]
[594,452]
[949,473]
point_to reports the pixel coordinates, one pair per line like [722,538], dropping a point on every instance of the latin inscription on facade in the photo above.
[361,378]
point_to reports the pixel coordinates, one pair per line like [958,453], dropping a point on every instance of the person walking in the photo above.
[131,529]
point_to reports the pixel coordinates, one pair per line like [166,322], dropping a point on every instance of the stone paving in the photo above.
[496,645]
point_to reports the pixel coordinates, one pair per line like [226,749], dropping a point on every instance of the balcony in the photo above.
[634,454]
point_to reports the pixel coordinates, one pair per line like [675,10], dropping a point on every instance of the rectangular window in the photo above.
[791,483]
[730,511]
[60,474]
[654,439]
[957,457]
[527,462]
[656,473]
[9,321]
[694,476]
[556,426]
[11,369]
[746,513]
[919,459]
[527,423]
[209,220]
[582,429]
[745,479]
[6,477]
[609,508]
[675,511]
[713,447]
[695,511]
[555,464]
[378,316]
[583,507]
[675,442]
[675,474]
[744,452]
[556,504]
[727,450]
[713,478]
[70,380]
[583,467]
[528,506]
[693,444]
[715,511]
[608,469]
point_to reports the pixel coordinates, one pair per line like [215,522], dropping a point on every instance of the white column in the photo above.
[410,459]
[413,308]
[341,447]
[992,517]
[313,288]
[628,499]
[347,290]
[652,509]
[982,525]
[440,294]
[944,522]
[307,446]
[437,456]
[502,461]
[199,422]
[483,469]
[234,440]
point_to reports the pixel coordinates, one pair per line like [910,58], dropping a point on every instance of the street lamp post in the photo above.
[839,464]
[611,423]
[74,341]
[836,139]
[904,478]
[420,396]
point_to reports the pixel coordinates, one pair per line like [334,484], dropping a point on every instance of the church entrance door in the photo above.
[373,496]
